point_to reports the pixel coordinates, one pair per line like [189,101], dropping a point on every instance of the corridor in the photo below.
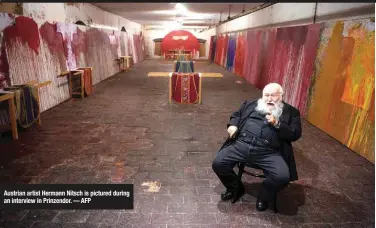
[127,132]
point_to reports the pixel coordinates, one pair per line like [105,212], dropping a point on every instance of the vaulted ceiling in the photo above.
[194,15]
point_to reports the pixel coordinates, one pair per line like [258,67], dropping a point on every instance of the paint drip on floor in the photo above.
[154,186]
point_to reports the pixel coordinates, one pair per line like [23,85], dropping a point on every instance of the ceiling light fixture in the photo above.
[181,9]
[103,27]
[164,12]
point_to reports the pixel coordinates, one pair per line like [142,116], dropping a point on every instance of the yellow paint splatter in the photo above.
[361,72]
[154,186]
[343,94]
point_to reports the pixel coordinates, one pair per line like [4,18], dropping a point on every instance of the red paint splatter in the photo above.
[239,56]
[26,30]
[225,50]
[219,50]
[4,67]
[98,36]
[53,39]
[79,43]
[252,69]
[95,37]
[292,65]
[310,49]
[285,56]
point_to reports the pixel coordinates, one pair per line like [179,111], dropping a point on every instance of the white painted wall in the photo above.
[294,14]
[87,13]
[91,14]
[42,12]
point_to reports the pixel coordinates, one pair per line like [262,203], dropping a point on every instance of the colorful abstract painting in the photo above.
[343,95]
[212,48]
[239,55]
[225,50]
[283,55]
[327,71]
[231,52]
[219,50]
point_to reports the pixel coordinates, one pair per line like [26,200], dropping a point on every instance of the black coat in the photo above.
[289,131]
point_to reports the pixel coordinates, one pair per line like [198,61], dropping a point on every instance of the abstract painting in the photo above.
[283,55]
[343,94]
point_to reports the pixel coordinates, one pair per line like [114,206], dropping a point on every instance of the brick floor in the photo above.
[126,132]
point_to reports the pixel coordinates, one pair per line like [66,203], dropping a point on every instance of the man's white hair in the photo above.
[273,85]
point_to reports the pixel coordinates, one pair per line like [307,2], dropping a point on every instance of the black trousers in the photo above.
[269,160]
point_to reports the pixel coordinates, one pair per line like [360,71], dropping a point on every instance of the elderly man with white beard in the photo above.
[260,133]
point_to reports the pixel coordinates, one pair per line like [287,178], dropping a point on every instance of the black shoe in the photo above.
[227,195]
[238,195]
[261,205]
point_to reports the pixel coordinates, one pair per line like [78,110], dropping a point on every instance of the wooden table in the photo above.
[70,75]
[125,62]
[9,96]
[39,85]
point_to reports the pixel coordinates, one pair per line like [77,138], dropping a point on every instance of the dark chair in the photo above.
[242,170]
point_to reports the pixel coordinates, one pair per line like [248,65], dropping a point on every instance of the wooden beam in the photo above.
[212,75]
[39,85]
[158,74]
[65,73]
[78,73]
[43,84]
[13,118]
[200,92]
[6,96]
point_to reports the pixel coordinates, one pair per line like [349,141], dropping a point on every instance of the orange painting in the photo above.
[342,95]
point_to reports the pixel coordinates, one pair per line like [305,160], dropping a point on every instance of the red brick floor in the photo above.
[126,132]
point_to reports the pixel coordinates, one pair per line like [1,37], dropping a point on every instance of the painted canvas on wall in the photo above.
[33,51]
[218,50]
[328,73]
[239,55]
[231,52]
[285,56]
[343,95]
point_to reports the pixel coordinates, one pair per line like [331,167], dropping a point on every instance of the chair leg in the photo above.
[275,203]
[239,182]
[241,171]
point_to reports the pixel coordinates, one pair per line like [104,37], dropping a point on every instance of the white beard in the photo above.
[263,108]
